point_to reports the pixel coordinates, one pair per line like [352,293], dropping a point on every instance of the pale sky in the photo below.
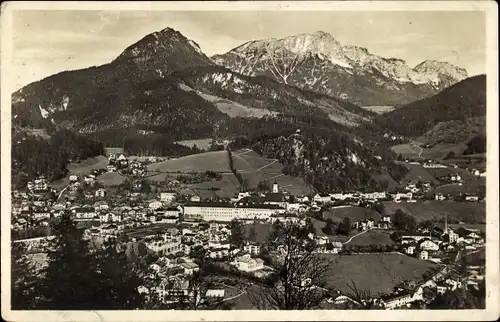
[47,42]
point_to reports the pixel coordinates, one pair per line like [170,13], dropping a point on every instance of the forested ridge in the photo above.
[33,155]
[462,101]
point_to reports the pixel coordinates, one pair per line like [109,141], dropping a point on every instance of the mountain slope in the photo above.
[318,62]
[147,87]
[462,101]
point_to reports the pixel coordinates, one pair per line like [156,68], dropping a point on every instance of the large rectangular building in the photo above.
[227,212]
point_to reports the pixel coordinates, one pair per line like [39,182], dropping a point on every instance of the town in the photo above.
[176,226]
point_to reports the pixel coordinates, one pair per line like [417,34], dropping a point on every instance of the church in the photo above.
[276,197]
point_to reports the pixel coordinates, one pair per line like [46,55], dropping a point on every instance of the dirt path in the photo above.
[358,234]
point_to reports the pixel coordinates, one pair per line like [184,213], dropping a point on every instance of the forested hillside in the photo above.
[34,155]
[462,101]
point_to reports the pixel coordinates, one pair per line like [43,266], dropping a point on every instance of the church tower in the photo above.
[275,187]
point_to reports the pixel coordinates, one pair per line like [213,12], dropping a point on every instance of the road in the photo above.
[421,150]
[61,192]
[358,234]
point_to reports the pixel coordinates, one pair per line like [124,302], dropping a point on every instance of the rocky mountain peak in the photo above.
[168,47]
[434,68]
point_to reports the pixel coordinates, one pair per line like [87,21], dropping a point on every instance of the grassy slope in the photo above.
[377,273]
[378,237]
[214,161]
[462,211]
[354,213]
[256,168]
[111,179]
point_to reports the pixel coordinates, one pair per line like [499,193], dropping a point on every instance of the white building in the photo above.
[400,196]
[252,249]
[155,204]
[322,198]
[429,245]
[110,217]
[167,197]
[375,195]
[100,193]
[248,264]
[424,255]
[227,212]
[472,198]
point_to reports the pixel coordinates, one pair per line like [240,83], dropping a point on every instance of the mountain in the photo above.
[318,62]
[165,84]
[163,89]
[460,102]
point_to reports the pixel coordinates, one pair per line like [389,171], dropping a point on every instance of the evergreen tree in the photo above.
[69,280]
[80,278]
[237,233]
[23,277]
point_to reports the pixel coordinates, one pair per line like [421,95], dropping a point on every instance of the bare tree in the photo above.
[195,297]
[281,61]
[299,276]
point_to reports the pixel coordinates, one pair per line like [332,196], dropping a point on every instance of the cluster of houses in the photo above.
[431,245]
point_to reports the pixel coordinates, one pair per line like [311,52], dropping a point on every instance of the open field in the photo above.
[407,150]
[474,186]
[415,150]
[255,168]
[213,161]
[227,186]
[82,168]
[468,212]
[440,172]
[373,237]
[417,172]
[376,273]
[354,213]
[111,179]
[88,165]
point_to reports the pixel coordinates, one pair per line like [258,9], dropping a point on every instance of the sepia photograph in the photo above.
[334,159]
